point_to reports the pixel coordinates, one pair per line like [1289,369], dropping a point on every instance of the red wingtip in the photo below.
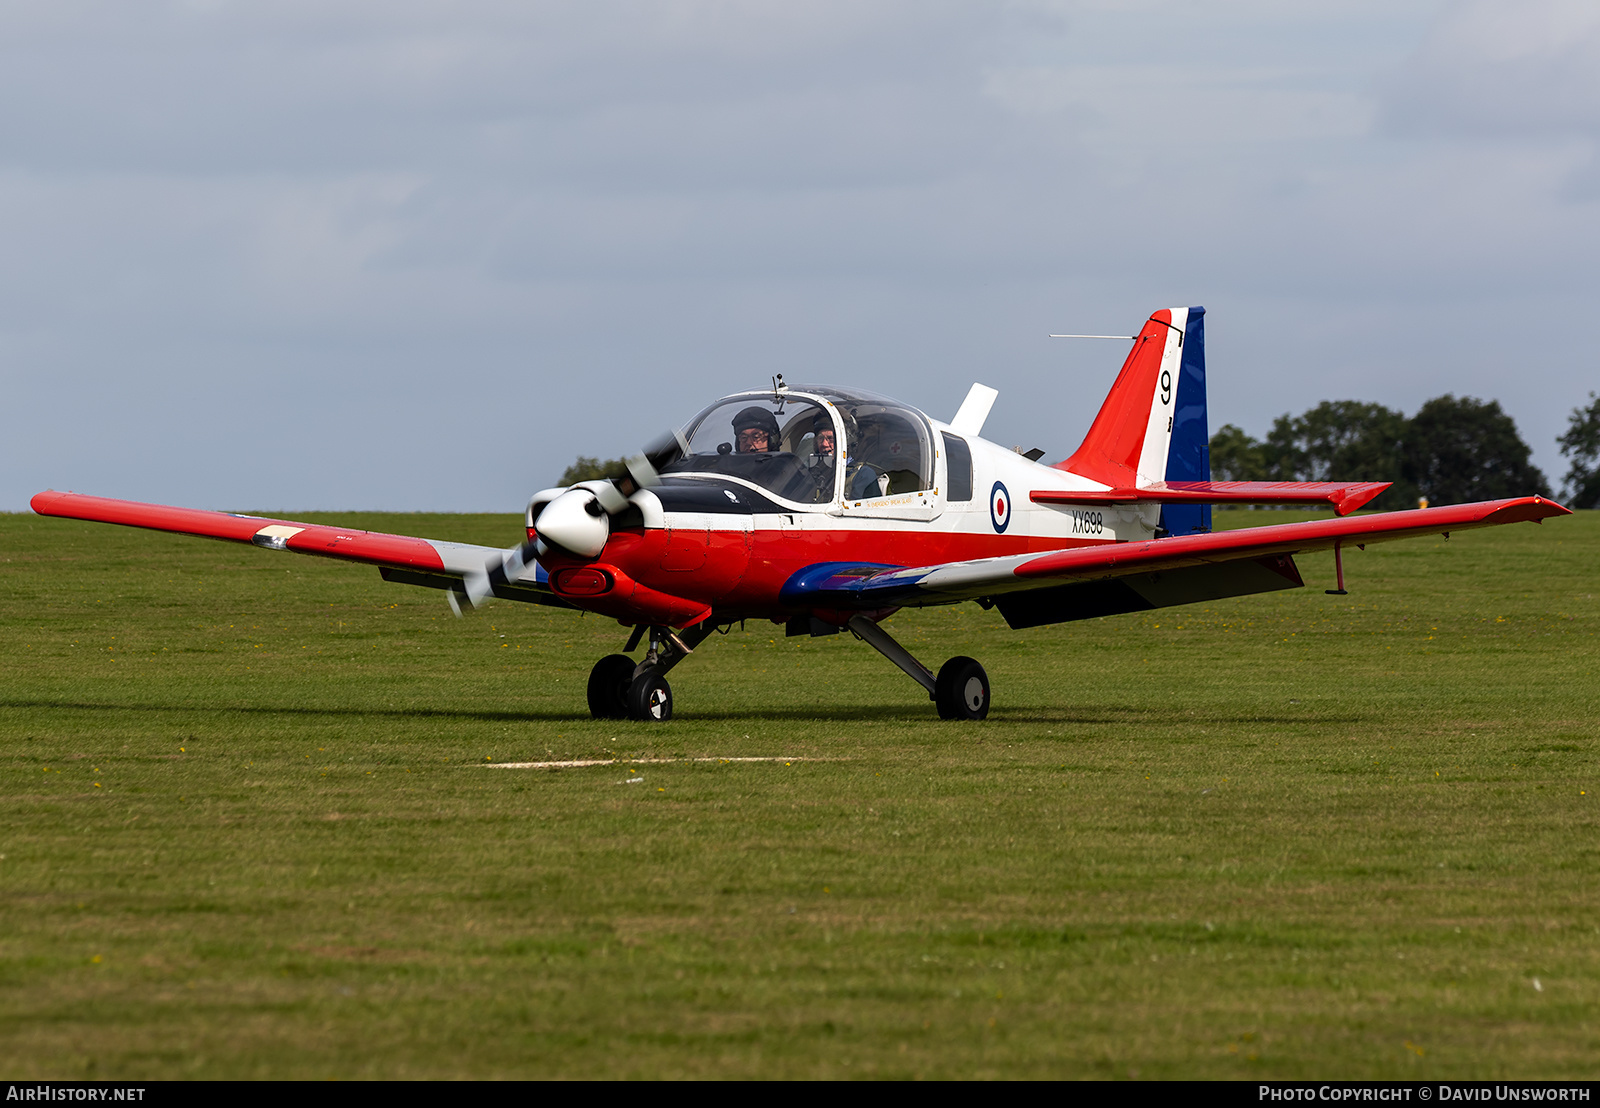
[42,502]
[1358,495]
[1529,508]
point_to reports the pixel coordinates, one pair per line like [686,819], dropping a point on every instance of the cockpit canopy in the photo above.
[779,442]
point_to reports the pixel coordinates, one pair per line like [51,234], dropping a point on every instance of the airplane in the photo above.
[827,509]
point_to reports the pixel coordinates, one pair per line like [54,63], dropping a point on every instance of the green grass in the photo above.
[247,830]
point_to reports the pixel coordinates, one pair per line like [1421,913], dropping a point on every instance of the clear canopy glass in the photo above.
[789,444]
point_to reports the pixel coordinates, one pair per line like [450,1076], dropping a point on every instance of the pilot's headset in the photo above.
[757,419]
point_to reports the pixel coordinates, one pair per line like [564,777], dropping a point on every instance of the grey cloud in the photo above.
[1522,70]
[318,88]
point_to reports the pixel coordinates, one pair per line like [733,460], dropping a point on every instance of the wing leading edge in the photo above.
[431,563]
[1089,581]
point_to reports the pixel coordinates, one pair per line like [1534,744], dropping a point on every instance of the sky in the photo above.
[419,256]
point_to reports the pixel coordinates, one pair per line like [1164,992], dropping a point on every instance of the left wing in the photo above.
[461,568]
[1088,581]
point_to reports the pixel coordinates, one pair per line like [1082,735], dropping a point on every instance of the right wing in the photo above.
[1107,578]
[459,568]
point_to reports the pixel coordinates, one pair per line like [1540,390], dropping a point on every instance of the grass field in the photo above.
[251,827]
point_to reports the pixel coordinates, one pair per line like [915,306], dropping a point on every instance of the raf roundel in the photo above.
[999,508]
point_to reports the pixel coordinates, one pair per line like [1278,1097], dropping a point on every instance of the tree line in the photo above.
[1452,451]
[591,469]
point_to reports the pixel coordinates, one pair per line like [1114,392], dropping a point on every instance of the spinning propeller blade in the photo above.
[477,589]
[577,520]
[645,466]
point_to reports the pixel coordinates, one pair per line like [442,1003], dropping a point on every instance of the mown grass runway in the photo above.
[250,826]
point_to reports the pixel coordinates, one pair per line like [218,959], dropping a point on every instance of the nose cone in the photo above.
[575,521]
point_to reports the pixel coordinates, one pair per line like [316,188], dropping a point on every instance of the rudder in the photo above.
[1189,453]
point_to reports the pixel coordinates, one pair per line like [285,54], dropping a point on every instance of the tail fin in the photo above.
[1152,426]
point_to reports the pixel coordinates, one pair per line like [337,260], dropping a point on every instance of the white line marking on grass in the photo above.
[582,763]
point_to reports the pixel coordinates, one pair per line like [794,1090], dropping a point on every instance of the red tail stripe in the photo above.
[1110,451]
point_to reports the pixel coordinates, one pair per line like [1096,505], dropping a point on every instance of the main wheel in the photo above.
[650,698]
[608,686]
[962,690]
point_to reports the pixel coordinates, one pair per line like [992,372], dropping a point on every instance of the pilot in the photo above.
[755,431]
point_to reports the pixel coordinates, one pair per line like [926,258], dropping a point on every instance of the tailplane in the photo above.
[1150,442]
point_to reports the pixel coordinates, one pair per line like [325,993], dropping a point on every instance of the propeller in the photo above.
[479,587]
[575,519]
[645,466]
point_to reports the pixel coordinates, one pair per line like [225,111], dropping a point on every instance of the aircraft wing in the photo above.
[428,562]
[1109,578]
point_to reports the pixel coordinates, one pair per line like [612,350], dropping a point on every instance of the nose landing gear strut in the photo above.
[619,688]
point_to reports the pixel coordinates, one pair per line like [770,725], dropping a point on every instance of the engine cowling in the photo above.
[576,522]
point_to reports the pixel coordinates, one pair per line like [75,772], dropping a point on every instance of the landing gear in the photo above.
[619,688]
[650,698]
[961,691]
[608,686]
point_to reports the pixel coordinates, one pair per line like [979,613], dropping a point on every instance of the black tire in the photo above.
[650,698]
[962,690]
[608,686]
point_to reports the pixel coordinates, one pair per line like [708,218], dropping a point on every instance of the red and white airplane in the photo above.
[826,509]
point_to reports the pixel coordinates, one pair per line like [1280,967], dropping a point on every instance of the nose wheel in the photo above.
[609,682]
[620,688]
[650,698]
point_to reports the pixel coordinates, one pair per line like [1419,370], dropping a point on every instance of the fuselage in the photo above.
[721,533]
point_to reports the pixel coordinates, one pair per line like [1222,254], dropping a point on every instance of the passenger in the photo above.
[861,481]
[822,446]
[755,431]
[822,436]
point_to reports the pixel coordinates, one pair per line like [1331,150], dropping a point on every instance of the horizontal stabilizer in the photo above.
[1345,496]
